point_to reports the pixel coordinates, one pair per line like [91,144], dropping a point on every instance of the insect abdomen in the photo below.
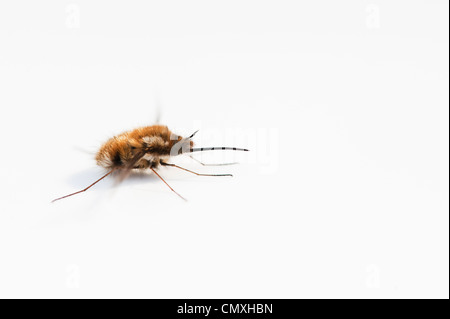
[112,154]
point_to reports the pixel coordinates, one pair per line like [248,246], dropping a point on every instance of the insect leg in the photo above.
[167,184]
[86,187]
[185,169]
[220,164]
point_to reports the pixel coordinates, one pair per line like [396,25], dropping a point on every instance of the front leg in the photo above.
[219,164]
[185,169]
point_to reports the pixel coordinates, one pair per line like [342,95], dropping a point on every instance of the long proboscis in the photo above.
[203,149]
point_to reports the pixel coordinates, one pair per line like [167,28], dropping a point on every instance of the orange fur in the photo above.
[154,141]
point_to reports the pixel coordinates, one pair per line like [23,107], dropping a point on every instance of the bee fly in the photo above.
[146,148]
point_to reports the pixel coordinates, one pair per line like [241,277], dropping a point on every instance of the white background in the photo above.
[344,105]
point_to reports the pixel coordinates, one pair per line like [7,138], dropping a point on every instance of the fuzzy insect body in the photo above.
[146,148]
[141,148]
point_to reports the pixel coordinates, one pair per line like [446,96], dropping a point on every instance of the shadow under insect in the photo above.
[135,177]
